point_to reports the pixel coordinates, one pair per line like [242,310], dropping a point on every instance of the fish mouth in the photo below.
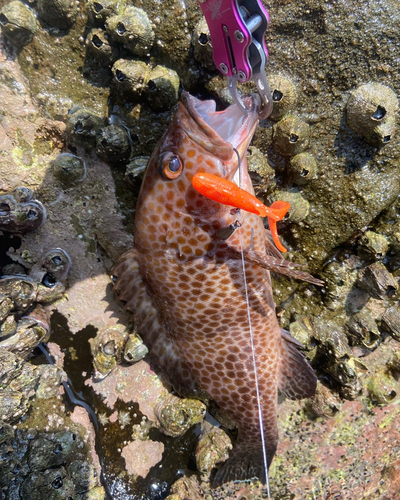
[220,132]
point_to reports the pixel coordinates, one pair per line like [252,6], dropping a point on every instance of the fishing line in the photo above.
[260,416]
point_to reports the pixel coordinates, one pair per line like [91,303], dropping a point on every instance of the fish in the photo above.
[184,282]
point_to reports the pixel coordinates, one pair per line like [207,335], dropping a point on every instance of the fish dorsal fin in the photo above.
[298,380]
[280,266]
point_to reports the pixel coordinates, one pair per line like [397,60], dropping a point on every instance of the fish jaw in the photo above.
[223,132]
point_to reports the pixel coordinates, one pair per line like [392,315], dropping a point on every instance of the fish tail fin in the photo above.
[245,462]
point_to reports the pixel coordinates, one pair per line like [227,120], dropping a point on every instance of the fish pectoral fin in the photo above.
[298,379]
[280,266]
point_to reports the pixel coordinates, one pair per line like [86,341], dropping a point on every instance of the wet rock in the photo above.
[84,475]
[100,10]
[103,50]
[177,415]
[58,13]
[372,246]
[133,29]
[284,95]
[212,448]
[107,350]
[50,450]
[371,112]
[18,23]
[83,126]
[53,484]
[113,144]
[13,405]
[162,85]
[69,169]
[291,136]
[20,218]
[140,456]
[377,281]
[302,168]
[339,278]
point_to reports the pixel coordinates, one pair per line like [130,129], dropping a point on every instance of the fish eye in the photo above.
[171,166]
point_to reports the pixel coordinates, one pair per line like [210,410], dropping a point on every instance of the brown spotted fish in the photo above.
[184,282]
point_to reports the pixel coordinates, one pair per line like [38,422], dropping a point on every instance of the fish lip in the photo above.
[224,130]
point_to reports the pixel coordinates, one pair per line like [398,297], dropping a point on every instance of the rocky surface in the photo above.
[331,148]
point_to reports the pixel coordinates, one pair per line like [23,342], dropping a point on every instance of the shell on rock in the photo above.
[21,290]
[177,415]
[284,95]
[391,321]
[58,13]
[302,168]
[20,218]
[113,144]
[136,168]
[83,125]
[377,281]
[162,87]
[69,169]
[133,29]
[202,45]
[98,44]
[129,77]
[291,136]
[299,206]
[107,350]
[134,350]
[372,246]
[22,194]
[371,112]
[18,23]
[100,10]
[363,329]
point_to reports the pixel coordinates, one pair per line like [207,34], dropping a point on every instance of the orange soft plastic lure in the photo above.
[228,193]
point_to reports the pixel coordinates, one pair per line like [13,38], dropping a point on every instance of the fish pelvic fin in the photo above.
[245,462]
[280,266]
[298,379]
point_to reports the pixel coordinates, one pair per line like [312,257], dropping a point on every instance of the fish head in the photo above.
[199,139]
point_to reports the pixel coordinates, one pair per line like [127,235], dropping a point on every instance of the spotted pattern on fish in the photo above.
[185,285]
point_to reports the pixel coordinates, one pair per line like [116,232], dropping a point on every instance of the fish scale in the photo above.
[186,288]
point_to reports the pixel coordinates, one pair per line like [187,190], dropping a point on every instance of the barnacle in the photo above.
[107,348]
[69,169]
[202,45]
[302,168]
[129,77]
[371,112]
[284,95]
[134,349]
[98,44]
[83,126]
[132,29]
[162,85]
[113,144]
[20,218]
[291,135]
[18,23]
[100,10]
[372,246]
